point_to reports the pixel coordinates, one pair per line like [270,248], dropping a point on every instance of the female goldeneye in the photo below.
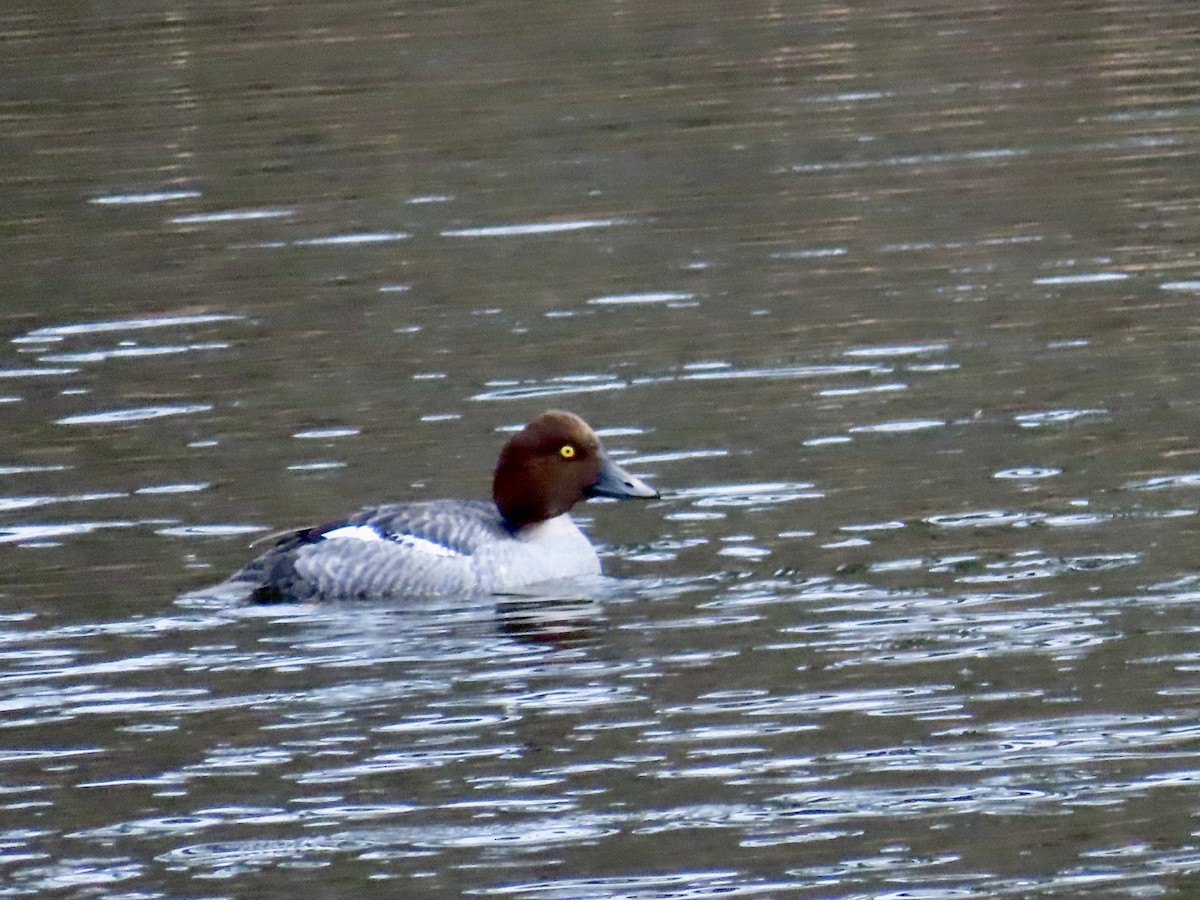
[458,546]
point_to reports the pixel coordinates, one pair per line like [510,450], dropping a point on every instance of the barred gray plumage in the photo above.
[433,547]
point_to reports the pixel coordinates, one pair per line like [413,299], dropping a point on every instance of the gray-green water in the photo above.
[897,305]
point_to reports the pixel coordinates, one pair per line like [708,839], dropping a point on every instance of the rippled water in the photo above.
[896,306]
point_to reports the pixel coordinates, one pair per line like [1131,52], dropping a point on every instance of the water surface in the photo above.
[896,306]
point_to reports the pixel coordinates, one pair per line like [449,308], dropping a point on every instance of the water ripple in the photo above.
[769,493]
[34,373]
[1082,278]
[8,504]
[552,388]
[55,332]
[535,228]
[27,470]
[1056,417]
[327,433]
[891,350]
[135,414]
[231,215]
[147,197]
[340,240]
[985,518]
[576,384]
[899,427]
[1028,473]
[15,534]
[536,833]
[1165,482]
[640,299]
[890,701]
[132,352]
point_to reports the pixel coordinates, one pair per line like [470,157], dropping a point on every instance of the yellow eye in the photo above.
[567,451]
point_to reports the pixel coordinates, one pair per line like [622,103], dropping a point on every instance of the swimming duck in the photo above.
[434,547]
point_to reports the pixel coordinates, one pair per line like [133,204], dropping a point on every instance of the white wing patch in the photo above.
[411,541]
[422,545]
[357,532]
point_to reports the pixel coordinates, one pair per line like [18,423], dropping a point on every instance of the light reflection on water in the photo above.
[909,359]
[345,700]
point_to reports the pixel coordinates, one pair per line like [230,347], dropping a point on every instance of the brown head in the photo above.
[551,464]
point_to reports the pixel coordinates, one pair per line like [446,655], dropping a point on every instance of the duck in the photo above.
[525,535]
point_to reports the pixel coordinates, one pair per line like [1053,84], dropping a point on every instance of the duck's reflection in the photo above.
[556,621]
[560,614]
